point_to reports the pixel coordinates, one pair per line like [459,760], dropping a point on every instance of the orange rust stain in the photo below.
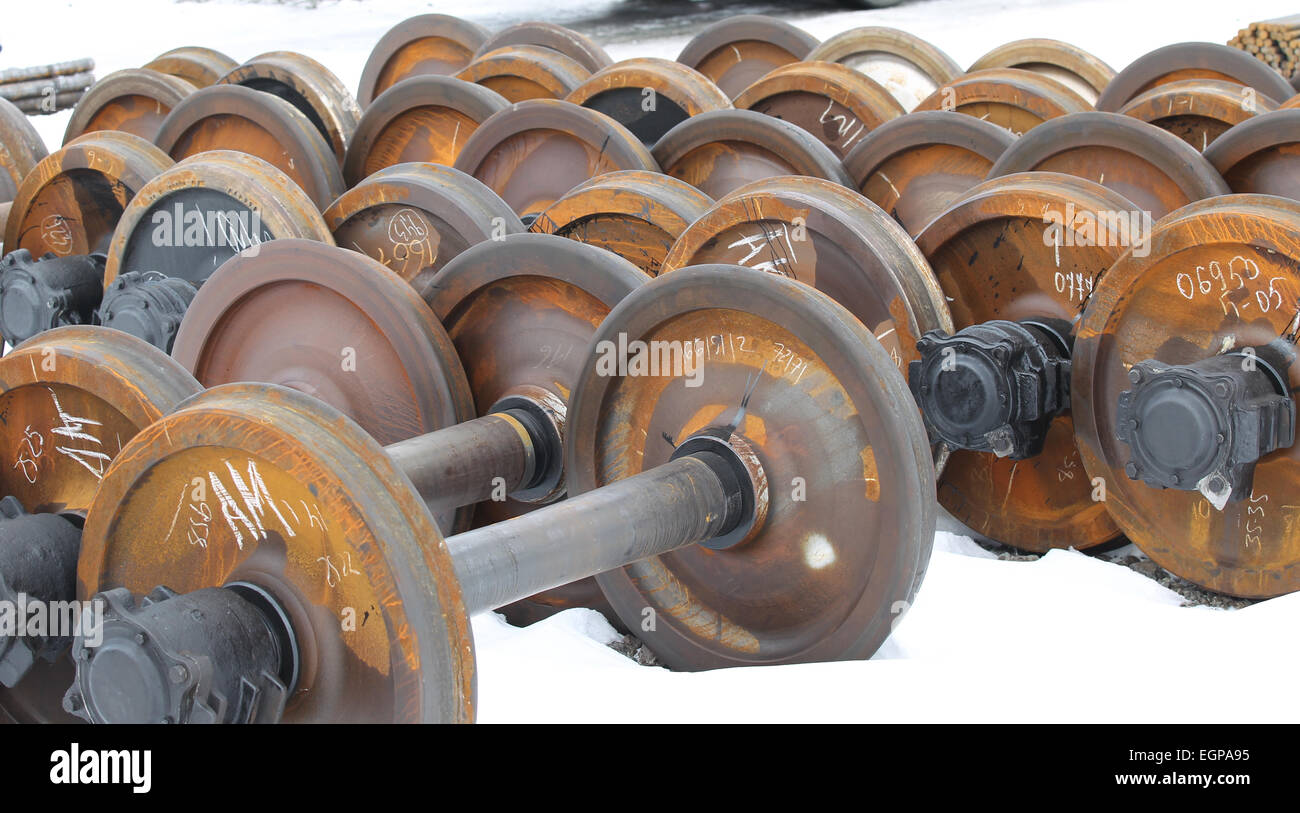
[754,428]
[870,474]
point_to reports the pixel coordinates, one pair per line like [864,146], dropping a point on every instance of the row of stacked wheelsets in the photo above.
[504,333]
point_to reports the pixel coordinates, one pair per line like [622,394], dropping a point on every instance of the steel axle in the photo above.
[219,655]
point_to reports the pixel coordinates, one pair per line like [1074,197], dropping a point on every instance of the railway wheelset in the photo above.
[302,380]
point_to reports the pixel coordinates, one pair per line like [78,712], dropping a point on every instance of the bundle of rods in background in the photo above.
[47,88]
[1275,42]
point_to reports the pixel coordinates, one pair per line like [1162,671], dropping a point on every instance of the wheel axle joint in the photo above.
[216,655]
[38,572]
[38,294]
[1203,426]
[994,387]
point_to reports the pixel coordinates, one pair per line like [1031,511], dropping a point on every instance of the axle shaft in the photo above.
[680,503]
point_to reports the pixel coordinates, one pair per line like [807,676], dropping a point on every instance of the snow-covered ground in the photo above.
[1065,638]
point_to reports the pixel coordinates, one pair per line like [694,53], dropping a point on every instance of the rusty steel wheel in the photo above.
[71,202]
[21,149]
[1196,110]
[425,118]
[342,544]
[720,151]
[115,385]
[135,101]
[738,51]
[1154,169]
[523,72]
[1192,60]
[831,238]
[533,152]
[307,85]
[906,65]
[833,102]
[913,167]
[1260,155]
[552,37]
[676,93]
[1068,64]
[817,398]
[198,66]
[1028,246]
[232,117]
[427,44]
[238,202]
[414,218]
[1221,277]
[521,312]
[1290,103]
[635,214]
[1016,99]
[336,325]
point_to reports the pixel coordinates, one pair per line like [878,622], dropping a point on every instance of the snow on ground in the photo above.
[1067,637]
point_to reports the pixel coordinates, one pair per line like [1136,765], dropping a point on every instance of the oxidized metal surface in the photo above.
[436,44]
[1261,155]
[533,152]
[833,239]
[720,151]
[649,96]
[198,66]
[414,218]
[234,117]
[1028,246]
[739,50]
[425,118]
[1221,274]
[637,215]
[265,485]
[69,400]
[134,101]
[521,313]
[851,500]
[336,325]
[914,166]
[212,197]
[21,148]
[523,72]
[1016,99]
[1068,64]
[70,203]
[310,87]
[833,102]
[906,65]
[1192,60]
[1154,169]
[553,37]
[1196,110]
